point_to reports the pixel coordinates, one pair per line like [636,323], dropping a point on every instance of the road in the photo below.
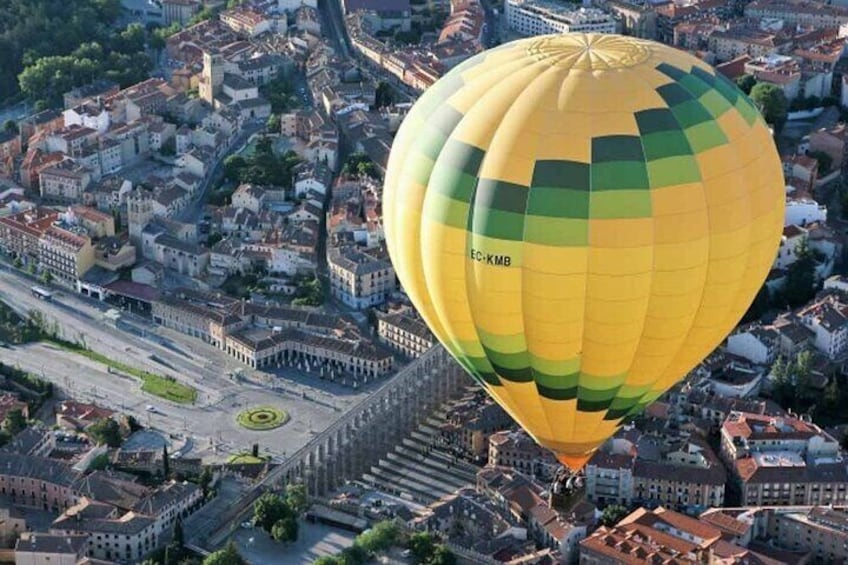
[194,211]
[312,404]
[333,18]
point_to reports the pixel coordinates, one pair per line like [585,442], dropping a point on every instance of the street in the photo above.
[312,404]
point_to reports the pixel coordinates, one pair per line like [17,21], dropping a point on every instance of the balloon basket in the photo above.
[567,490]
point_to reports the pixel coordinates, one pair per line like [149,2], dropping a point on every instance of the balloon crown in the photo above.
[590,51]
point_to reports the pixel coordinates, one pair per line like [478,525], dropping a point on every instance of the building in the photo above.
[800,212]
[518,450]
[687,476]
[827,319]
[637,19]
[755,343]
[799,12]
[820,530]
[244,20]
[387,14]
[682,473]
[64,182]
[358,279]
[783,461]
[66,255]
[248,196]
[664,536]
[10,149]
[540,17]
[405,333]
[334,357]
[49,549]
[831,141]
[185,257]
[20,233]
[179,11]
[781,71]
[135,520]
[37,482]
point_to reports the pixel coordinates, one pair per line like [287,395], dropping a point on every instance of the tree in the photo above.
[327,560]
[613,514]
[14,422]
[179,536]
[354,555]
[269,509]
[801,276]
[11,126]
[745,83]
[421,545]
[205,480]
[311,293]
[213,239]
[384,96]
[233,167]
[802,375]
[772,103]
[759,306]
[296,498]
[273,123]
[825,161]
[781,382]
[843,441]
[169,148]
[285,530]
[380,537]
[32,29]
[280,94]
[166,462]
[442,556]
[203,15]
[360,164]
[227,556]
[105,431]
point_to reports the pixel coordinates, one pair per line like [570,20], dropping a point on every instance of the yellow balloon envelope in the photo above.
[581,219]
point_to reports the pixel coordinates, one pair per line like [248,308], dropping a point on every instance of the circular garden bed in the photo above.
[262,418]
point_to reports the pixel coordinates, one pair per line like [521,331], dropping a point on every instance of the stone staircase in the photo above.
[420,470]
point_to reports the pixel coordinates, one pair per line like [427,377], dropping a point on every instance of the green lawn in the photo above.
[244,459]
[163,387]
[262,418]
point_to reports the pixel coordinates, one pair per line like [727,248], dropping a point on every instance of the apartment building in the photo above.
[405,333]
[67,255]
[516,449]
[799,12]
[541,17]
[665,536]
[20,233]
[358,279]
[64,182]
[783,461]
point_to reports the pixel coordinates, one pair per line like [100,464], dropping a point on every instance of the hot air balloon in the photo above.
[581,219]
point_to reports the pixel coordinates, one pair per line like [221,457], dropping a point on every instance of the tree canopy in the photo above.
[120,58]
[613,514]
[801,276]
[263,166]
[772,103]
[106,431]
[227,556]
[14,422]
[32,29]
[360,164]
[745,83]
